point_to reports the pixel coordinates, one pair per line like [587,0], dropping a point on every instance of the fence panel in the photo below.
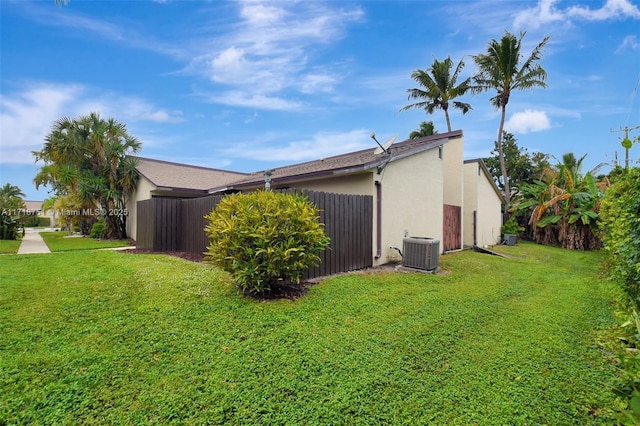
[178,225]
[145,224]
[194,239]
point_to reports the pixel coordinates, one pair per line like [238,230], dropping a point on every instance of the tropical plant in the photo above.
[501,69]
[426,129]
[438,89]
[620,231]
[89,158]
[563,205]
[264,238]
[11,199]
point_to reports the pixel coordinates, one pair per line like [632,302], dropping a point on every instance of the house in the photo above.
[420,188]
[165,179]
[34,209]
[482,199]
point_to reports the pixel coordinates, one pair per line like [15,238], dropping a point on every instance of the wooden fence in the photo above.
[166,224]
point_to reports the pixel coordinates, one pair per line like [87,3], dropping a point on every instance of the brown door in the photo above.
[452,228]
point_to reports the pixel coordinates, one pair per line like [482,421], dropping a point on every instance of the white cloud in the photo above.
[271,50]
[319,145]
[527,121]
[546,12]
[612,9]
[248,100]
[629,42]
[26,116]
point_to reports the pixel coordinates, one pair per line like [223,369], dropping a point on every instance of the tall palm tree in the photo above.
[88,158]
[501,69]
[439,88]
[426,129]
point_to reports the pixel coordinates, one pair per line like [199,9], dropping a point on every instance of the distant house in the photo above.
[34,208]
[418,189]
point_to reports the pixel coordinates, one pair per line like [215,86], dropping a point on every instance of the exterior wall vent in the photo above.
[420,253]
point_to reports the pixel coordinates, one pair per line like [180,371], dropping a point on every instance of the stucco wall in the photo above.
[480,195]
[361,184]
[142,192]
[412,197]
[453,174]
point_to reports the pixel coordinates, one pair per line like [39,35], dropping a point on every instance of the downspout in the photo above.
[378,219]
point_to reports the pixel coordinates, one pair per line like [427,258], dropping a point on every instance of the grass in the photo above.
[114,338]
[60,241]
[9,246]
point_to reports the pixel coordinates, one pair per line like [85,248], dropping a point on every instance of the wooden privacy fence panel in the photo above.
[178,225]
[348,221]
[194,239]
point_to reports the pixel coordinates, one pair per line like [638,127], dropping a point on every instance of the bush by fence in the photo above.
[178,225]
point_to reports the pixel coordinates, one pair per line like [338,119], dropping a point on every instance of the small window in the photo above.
[479,169]
[440,152]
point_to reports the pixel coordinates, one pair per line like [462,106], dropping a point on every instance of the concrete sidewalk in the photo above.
[32,242]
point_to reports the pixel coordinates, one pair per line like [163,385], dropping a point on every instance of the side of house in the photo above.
[482,206]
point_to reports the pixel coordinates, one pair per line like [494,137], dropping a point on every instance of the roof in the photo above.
[168,175]
[33,206]
[353,162]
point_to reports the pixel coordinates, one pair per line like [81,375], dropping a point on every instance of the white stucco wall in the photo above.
[412,197]
[453,174]
[361,184]
[142,192]
[480,196]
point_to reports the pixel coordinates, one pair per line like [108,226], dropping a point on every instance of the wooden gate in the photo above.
[452,228]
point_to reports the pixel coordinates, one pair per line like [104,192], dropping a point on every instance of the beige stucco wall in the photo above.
[412,197]
[480,196]
[452,159]
[361,184]
[142,192]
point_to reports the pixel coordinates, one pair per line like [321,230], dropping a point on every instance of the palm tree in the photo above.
[426,129]
[11,200]
[439,88]
[88,157]
[501,69]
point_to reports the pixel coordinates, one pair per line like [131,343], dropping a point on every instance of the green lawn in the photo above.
[61,241]
[9,246]
[113,338]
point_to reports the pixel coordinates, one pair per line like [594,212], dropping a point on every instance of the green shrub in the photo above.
[97,230]
[9,227]
[511,226]
[265,237]
[620,231]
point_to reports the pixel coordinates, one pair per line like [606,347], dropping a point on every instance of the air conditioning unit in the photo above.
[420,253]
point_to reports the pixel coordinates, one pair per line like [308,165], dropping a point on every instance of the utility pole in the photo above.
[626,142]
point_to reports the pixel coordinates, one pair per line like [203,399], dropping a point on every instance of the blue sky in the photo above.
[249,85]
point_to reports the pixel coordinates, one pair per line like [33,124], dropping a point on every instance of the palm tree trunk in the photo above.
[446,116]
[503,164]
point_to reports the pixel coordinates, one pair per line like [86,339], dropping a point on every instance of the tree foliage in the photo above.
[88,159]
[522,167]
[620,231]
[265,237]
[426,129]
[11,203]
[501,69]
[439,88]
[563,205]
